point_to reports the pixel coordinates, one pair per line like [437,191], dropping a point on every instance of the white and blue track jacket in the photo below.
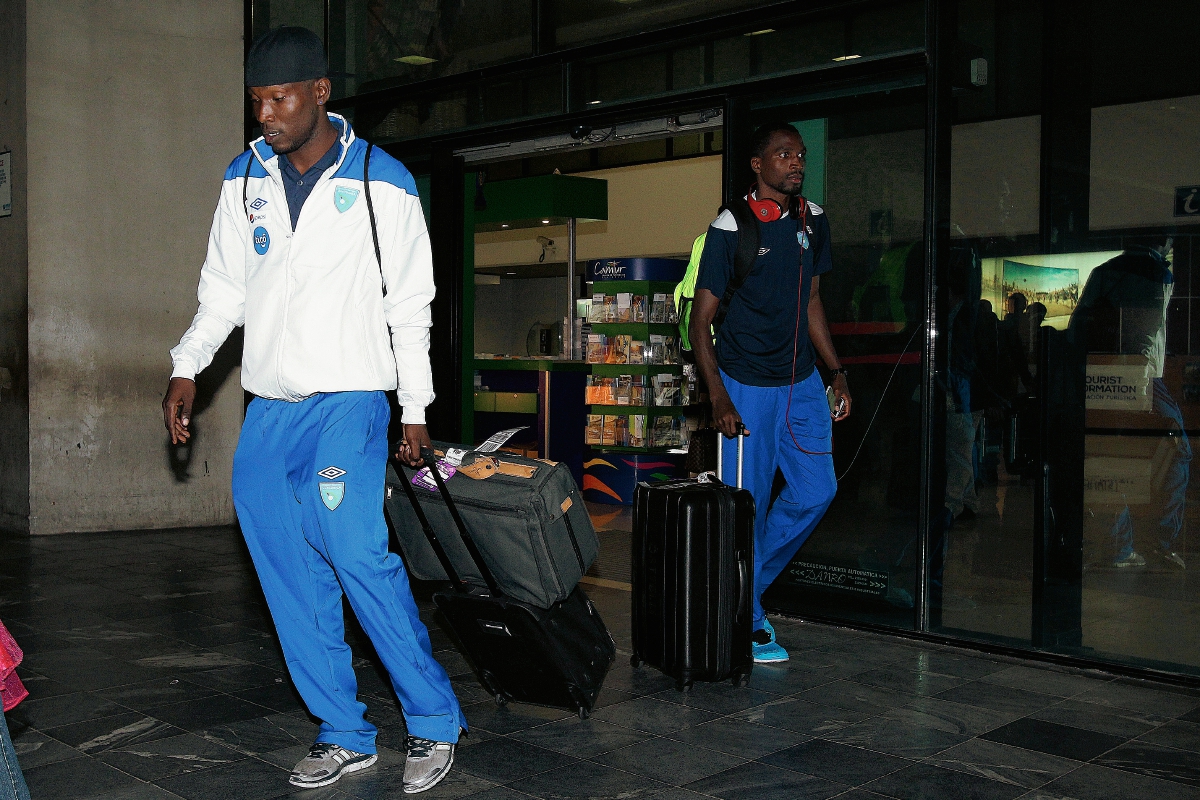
[312,301]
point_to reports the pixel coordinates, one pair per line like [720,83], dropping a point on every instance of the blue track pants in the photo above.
[308,482]
[780,528]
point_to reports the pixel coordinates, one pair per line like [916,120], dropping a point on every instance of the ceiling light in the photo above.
[545,222]
[593,102]
[510,273]
[759,33]
[847,58]
[415,60]
[503,224]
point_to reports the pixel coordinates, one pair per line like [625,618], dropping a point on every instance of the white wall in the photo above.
[14,351]
[995,177]
[1140,153]
[134,111]
[504,313]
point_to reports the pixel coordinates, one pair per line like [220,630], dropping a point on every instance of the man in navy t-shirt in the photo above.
[761,372]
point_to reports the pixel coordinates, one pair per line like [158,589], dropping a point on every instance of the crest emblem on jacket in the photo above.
[343,198]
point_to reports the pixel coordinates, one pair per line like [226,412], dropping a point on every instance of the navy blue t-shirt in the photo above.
[754,344]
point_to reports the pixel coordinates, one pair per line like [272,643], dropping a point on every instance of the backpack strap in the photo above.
[246,184]
[743,258]
[371,213]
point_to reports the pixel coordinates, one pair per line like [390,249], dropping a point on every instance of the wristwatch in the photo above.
[839,371]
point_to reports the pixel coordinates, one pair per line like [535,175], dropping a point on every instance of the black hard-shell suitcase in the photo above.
[555,657]
[693,568]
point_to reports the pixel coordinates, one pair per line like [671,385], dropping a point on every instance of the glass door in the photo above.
[866,170]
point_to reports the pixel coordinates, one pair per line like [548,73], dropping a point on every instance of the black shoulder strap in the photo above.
[246,183]
[371,214]
[744,258]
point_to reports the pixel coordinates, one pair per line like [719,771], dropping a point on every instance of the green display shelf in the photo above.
[653,411]
[633,287]
[613,370]
[635,328]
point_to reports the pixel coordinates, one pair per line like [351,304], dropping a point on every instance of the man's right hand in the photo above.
[726,417]
[177,409]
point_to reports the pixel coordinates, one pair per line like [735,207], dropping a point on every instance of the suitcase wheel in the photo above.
[684,686]
[634,661]
[501,699]
[741,679]
[583,713]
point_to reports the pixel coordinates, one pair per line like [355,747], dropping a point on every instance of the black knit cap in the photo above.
[287,54]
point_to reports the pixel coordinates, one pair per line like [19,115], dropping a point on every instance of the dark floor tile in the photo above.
[753,781]
[65,710]
[952,662]
[1141,696]
[665,758]
[35,748]
[836,762]
[738,737]
[720,698]
[510,718]
[174,755]
[40,686]
[249,779]
[224,633]
[653,716]
[158,692]
[221,709]
[384,783]
[255,651]
[504,760]
[1013,765]
[998,698]
[1093,782]
[1050,737]
[926,782]
[802,716]
[581,738]
[642,681]
[1046,680]
[897,736]
[586,780]
[173,624]
[280,697]
[1122,722]
[77,779]
[1181,766]
[97,735]
[959,718]
[856,696]
[1179,734]
[907,681]
[263,734]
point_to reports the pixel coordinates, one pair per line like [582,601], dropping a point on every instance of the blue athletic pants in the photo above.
[780,528]
[308,482]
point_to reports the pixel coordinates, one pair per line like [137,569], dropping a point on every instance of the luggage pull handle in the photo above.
[741,440]
[431,461]
[438,550]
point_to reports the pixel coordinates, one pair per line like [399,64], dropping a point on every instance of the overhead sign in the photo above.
[831,576]
[668,270]
[6,184]
[1118,387]
[1187,201]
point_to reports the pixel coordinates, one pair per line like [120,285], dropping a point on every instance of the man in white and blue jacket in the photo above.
[335,306]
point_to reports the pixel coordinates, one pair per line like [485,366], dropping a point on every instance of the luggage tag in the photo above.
[424,480]
[482,468]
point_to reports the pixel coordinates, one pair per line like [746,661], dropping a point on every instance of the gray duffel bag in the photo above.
[526,516]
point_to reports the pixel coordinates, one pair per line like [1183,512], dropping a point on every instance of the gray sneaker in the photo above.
[1131,560]
[428,762]
[326,762]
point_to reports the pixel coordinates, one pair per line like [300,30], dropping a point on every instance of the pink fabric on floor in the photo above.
[12,691]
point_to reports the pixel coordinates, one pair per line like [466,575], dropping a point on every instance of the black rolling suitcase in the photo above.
[555,657]
[693,568]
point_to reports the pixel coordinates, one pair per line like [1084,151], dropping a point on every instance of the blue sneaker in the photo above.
[765,649]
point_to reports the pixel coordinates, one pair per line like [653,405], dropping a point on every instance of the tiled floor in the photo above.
[154,674]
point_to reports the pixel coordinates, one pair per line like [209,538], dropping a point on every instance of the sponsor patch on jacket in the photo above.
[262,241]
[332,473]
[258,203]
[343,198]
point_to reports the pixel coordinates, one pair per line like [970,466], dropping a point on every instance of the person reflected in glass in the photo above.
[962,418]
[1123,310]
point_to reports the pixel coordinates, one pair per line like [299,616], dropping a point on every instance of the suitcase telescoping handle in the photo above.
[427,455]
[438,550]
[741,439]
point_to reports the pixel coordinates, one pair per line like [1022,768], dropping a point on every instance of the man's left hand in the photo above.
[416,438]
[841,390]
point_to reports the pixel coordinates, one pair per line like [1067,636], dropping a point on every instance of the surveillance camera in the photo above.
[581,131]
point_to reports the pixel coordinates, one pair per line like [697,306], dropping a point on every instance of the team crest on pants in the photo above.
[332,493]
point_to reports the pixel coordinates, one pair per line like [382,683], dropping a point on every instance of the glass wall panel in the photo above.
[1069,386]
[579,22]
[791,45]
[866,169]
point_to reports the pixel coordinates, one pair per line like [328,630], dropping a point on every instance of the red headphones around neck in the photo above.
[766,210]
